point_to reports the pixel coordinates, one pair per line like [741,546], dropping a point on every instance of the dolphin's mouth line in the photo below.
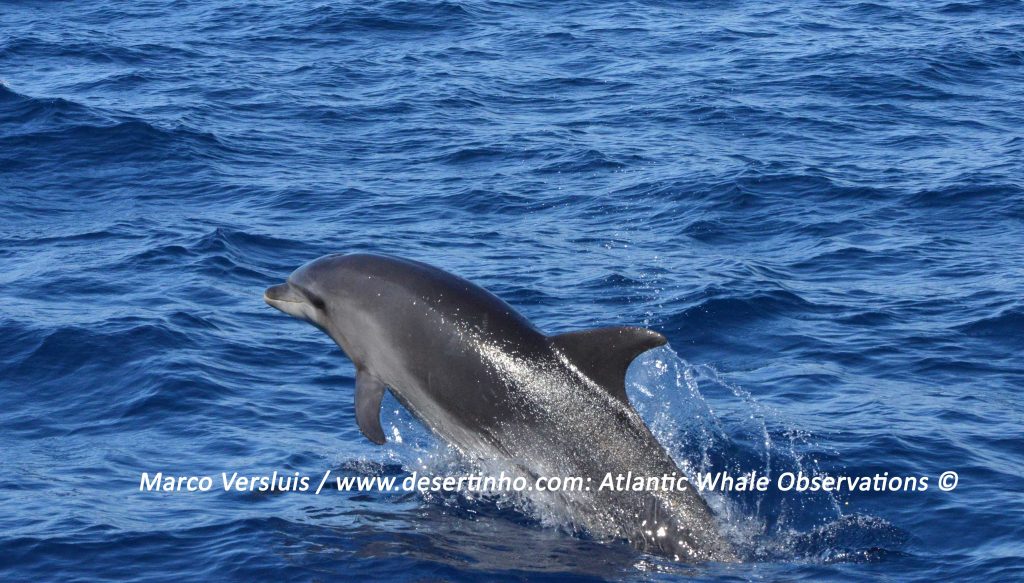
[267,298]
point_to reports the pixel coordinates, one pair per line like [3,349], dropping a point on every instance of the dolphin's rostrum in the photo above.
[482,377]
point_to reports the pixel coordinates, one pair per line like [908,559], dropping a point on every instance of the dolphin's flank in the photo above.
[482,377]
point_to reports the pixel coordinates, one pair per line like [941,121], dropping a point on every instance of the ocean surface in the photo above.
[820,205]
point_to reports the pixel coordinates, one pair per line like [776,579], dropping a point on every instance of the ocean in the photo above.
[819,204]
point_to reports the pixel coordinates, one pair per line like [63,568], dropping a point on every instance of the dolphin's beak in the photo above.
[293,302]
[284,298]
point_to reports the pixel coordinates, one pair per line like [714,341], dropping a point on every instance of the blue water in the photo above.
[821,206]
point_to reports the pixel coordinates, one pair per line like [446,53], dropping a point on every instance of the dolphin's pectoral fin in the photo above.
[369,393]
[604,354]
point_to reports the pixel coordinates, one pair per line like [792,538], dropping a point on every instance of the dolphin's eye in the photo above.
[317,302]
[314,299]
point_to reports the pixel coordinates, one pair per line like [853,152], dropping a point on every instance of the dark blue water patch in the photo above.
[725,308]
[23,114]
[971,196]
[1006,327]
[128,141]
[974,7]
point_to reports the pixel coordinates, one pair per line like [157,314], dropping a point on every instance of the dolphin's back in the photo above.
[445,293]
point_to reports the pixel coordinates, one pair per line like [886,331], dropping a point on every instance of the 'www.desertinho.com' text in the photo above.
[613,482]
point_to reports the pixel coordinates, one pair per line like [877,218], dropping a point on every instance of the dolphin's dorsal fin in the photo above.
[604,354]
[369,393]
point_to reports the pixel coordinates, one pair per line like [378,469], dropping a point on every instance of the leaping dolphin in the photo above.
[482,377]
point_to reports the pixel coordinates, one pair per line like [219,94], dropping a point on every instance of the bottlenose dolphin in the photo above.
[482,377]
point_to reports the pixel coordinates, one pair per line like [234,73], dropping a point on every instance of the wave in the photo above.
[1007,326]
[394,16]
[19,113]
[730,308]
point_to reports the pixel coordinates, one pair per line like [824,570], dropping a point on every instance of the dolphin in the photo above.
[483,378]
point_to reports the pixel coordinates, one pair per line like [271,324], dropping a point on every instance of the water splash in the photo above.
[707,424]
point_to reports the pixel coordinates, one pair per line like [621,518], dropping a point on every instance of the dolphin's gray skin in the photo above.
[482,377]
